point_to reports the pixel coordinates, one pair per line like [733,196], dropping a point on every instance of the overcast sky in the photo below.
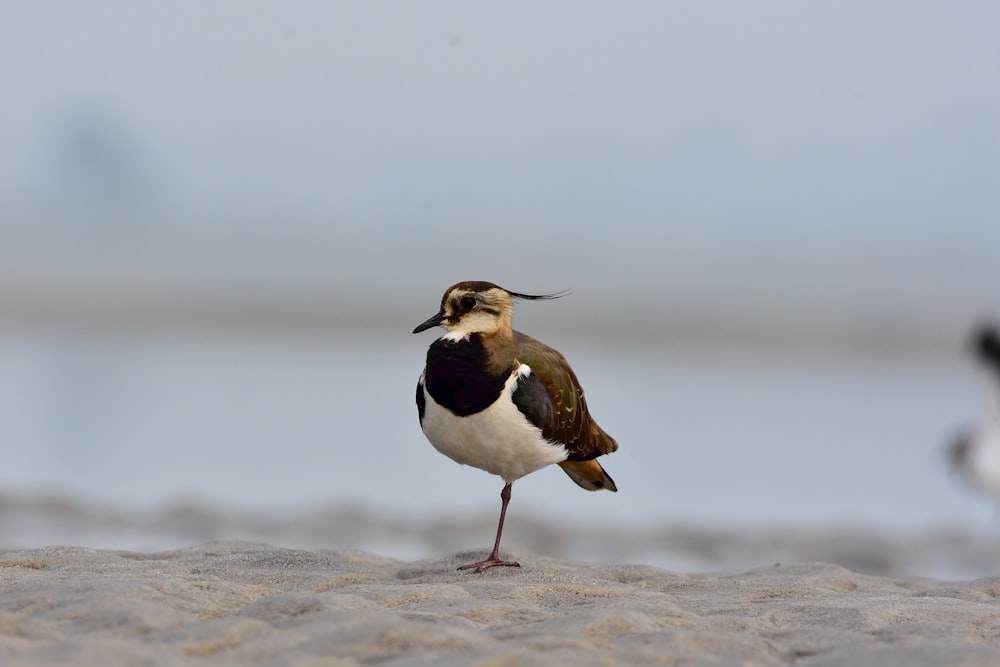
[827,156]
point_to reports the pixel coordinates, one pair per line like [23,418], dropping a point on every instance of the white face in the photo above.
[468,312]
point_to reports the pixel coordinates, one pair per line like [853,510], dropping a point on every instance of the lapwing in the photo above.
[496,399]
[975,453]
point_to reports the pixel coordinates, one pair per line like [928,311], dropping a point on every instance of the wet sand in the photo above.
[936,552]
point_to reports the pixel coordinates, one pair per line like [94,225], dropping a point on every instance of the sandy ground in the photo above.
[246,603]
[935,552]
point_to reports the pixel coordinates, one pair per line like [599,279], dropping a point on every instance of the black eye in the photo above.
[467,302]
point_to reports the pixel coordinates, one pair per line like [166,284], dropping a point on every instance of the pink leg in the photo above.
[494,558]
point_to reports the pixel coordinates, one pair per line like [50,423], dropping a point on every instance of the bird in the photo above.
[501,401]
[975,453]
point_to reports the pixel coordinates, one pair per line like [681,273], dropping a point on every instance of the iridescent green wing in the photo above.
[552,399]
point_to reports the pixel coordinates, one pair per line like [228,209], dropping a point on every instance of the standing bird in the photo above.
[975,453]
[498,400]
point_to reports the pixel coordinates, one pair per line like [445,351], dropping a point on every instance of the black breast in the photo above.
[456,376]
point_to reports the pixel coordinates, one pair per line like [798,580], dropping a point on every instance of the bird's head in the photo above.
[477,307]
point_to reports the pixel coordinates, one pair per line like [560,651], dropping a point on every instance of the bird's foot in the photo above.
[492,561]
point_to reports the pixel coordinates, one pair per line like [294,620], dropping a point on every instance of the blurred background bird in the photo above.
[975,453]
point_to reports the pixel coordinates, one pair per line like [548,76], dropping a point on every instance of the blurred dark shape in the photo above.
[987,346]
[958,450]
[975,452]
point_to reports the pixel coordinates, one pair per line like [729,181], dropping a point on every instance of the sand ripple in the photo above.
[246,603]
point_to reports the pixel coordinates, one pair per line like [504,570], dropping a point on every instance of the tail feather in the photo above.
[589,475]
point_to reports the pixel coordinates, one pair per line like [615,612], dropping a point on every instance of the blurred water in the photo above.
[738,439]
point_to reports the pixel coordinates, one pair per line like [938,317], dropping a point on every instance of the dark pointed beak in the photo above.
[432,322]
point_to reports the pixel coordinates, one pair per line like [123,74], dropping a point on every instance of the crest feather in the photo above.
[539,297]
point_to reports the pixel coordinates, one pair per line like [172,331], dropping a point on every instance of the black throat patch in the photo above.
[456,376]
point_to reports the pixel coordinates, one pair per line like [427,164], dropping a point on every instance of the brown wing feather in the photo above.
[567,419]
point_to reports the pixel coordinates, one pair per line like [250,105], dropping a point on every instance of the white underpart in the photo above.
[499,439]
[981,464]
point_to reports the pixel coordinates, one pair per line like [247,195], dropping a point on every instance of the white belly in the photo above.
[499,439]
[983,463]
